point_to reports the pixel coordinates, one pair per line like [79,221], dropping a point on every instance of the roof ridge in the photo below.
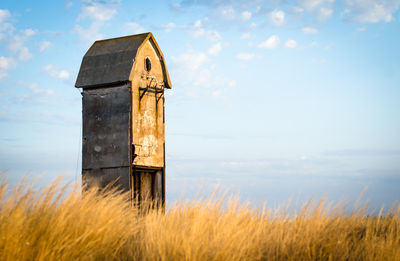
[126,36]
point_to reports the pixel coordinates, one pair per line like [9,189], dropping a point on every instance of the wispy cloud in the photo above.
[215,49]
[245,35]
[44,45]
[309,30]
[277,17]
[246,15]
[68,5]
[34,94]
[226,12]
[88,34]
[168,27]
[198,31]
[6,64]
[271,43]
[134,28]
[56,73]
[15,42]
[98,12]
[197,76]
[4,15]
[290,44]
[370,11]
[245,56]
[324,13]
[323,9]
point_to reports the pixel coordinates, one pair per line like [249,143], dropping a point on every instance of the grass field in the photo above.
[61,224]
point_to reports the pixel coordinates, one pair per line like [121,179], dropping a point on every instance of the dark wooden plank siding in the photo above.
[106,127]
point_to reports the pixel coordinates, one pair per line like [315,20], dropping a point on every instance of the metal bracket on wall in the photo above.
[152,88]
[162,94]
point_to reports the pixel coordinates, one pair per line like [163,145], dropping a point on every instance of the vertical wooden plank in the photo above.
[157,187]
[146,186]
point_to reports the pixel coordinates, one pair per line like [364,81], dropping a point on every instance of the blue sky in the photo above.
[271,99]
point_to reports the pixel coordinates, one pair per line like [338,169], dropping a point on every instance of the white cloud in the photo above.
[245,56]
[253,25]
[297,11]
[245,36]
[361,29]
[310,5]
[192,61]
[68,5]
[33,87]
[246,15]
[55,73]
[168,27]
[29,32]
[215,49]
[24,54]
[4,15]
[198,31]
[89,34]
[371,11]
[325,13]
[134,28]
[270,43]
[291,43]
[16,44]
[34,94]
[223,86]
[323,9]
[98,10]
[309,30]
[197,76]
[189,70]
[44,45]
[277,17]
[5,27]
[226,12]
[5,65]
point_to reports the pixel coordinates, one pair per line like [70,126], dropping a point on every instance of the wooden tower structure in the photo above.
[123,82]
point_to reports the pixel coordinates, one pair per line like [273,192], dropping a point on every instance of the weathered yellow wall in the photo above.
[147,113]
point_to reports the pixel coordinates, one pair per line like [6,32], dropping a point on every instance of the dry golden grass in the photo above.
[56,225]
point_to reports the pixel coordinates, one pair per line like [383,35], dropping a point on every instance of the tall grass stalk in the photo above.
[58,223]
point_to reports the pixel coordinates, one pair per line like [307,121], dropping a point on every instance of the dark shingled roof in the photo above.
[110,61]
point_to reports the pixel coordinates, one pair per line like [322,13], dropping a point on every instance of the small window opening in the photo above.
[148,64]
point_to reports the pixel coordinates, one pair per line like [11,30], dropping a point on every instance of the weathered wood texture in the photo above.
[106,133]
[109,61]
[148,110]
